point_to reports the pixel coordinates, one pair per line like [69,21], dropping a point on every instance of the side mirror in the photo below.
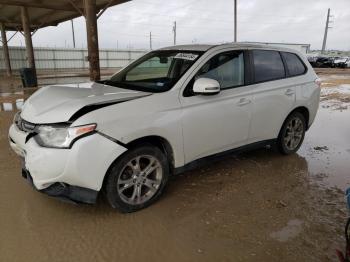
[206,86]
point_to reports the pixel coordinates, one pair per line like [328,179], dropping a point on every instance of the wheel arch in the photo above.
[302,110]
[157,141]
[305,113]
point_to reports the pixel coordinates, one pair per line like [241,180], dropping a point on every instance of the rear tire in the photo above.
[137,179]
[292,134]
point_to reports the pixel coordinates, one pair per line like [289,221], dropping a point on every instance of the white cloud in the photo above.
[204,21]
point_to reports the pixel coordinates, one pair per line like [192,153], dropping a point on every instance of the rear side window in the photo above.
[294,65]
[268,65]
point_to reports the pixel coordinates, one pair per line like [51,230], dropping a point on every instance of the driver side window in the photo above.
[227,68]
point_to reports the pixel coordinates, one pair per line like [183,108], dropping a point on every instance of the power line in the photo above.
[230,21]
[191,27]
[196,9]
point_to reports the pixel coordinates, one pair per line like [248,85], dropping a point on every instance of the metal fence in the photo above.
[69,58]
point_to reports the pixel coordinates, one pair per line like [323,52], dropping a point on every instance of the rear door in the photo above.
[273,95]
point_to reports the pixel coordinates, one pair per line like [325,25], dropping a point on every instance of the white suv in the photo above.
[164,113]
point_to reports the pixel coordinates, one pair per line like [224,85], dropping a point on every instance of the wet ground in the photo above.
[258,206]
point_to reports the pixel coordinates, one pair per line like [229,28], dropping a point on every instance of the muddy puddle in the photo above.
[327,147]
[258,206]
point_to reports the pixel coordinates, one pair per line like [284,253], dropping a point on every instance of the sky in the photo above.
[128,26]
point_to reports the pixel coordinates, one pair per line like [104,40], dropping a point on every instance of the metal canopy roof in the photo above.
[44,13]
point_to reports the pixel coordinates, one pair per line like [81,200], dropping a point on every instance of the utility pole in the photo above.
[150,40]
[235,21]
[326,32]
[73,33]
[174,31]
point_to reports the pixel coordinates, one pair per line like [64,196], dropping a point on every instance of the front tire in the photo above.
[292,134]
[137,178]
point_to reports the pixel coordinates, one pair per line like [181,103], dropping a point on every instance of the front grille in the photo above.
[24,125]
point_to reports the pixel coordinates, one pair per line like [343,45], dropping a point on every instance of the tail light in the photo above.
[318,82]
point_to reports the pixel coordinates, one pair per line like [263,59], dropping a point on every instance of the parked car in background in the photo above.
[324,62]
[341,62]
[312,60]
[328,61]
[166,112]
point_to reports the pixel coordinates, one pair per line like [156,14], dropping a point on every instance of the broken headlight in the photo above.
[61,136]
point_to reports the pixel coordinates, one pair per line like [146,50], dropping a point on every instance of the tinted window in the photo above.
[268,65]
[227,68]
[294,65]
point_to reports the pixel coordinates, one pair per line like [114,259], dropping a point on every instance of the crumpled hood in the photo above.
[58,103]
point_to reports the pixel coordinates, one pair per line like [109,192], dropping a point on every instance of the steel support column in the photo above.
[28,37]
[92,39]
[5,50]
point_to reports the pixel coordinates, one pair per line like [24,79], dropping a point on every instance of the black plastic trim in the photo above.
[112,139]
[29,136]
[215,157]
[92,107]
[248,74]
[65,192]
[285,65]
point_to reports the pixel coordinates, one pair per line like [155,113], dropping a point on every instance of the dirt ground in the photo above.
[258,206]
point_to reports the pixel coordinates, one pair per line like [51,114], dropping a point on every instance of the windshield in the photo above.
[157,71]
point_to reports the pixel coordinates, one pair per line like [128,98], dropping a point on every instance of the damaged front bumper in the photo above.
[65,192]
[74,174]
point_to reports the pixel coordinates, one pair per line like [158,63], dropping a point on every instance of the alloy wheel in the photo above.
[139,179]
[294,133]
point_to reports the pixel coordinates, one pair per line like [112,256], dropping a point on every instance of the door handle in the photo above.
[289,92]
[243,101]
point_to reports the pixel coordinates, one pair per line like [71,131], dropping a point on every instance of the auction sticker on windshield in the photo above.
[186,56]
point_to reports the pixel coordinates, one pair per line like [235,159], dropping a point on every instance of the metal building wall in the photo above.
[69,58]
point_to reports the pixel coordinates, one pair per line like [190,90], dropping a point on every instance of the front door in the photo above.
[215,123]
